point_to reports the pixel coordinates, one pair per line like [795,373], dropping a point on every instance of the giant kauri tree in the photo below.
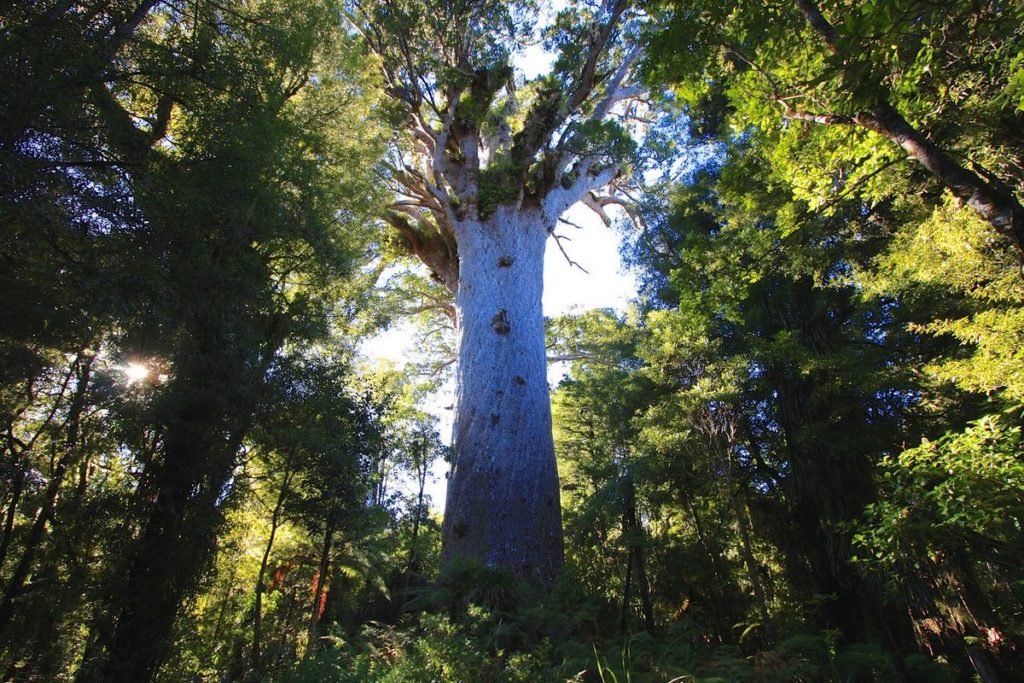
[489,165]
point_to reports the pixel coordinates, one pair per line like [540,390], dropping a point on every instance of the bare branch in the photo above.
[569,357]
[823,119]
[628,206]
[570,223]
[558,241]
[439,366]
[594,204]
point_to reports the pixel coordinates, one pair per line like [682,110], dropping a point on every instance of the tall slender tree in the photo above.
[486,166]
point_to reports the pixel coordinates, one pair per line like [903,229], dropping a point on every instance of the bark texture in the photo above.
[503,495]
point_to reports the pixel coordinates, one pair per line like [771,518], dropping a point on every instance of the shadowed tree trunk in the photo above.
[18,453]
[209,413]
[713,558]
[257,609]
[633,531]
[323,567]
[45,513]
[413,564]
[753,569]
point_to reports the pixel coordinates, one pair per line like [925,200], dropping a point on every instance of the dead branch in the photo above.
[558,241]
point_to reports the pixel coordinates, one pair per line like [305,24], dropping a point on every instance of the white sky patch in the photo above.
[596,249]
[394,344]
[535,61]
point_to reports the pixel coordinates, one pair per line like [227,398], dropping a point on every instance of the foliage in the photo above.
[957,253]
[204,211]
[810,80]
[961,487]
[949,503]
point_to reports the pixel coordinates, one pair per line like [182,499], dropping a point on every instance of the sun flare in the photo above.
[135,372]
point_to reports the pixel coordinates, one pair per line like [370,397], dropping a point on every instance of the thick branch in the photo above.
[552,108]
[561,198]
[598,43]
[131,143]
[591,202]
[821,25]
[125,31]
[616,92]
[436,252]
[991,200]
[995,204]
[162,119]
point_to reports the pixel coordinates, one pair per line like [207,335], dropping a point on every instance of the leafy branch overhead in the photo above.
[918,75]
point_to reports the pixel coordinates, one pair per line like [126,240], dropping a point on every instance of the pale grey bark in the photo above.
[503,496]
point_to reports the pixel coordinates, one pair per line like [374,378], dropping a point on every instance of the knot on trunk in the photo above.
[505,262]
[500,322]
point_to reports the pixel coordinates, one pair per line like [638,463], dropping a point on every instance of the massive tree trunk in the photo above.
[481,177]
[503,496]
